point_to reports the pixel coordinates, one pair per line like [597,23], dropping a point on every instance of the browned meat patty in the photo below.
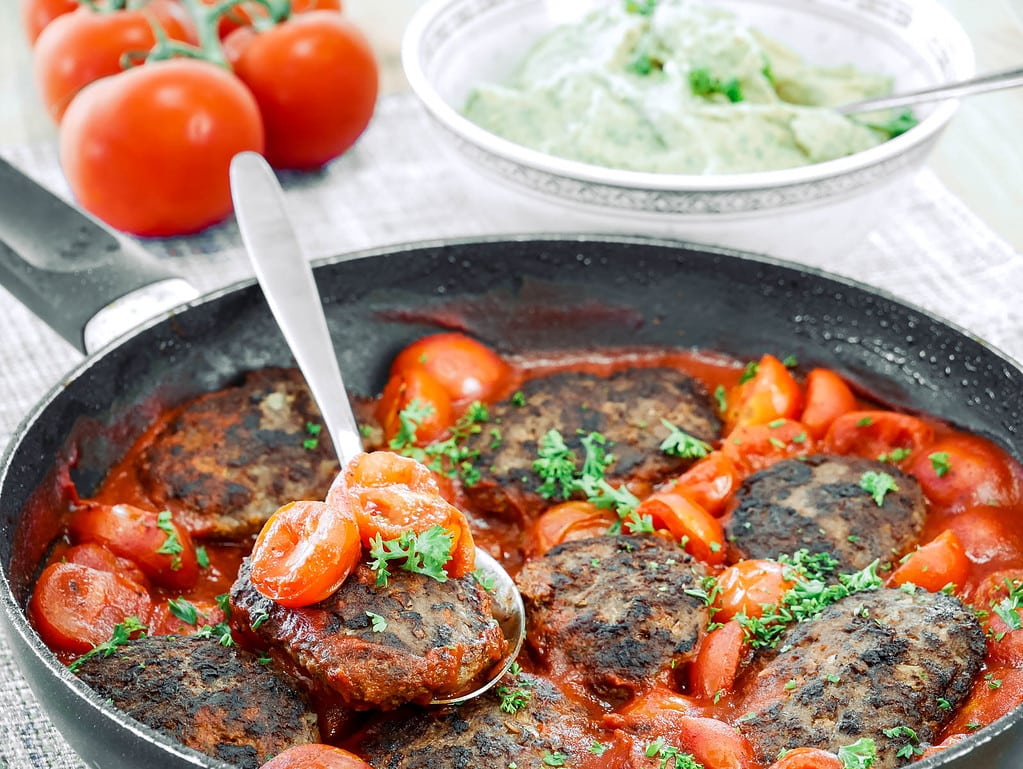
[480,733]
[218,700]
[873,661]
[613,611]
[437,637]
[819,504]
[228,460]
[626,408]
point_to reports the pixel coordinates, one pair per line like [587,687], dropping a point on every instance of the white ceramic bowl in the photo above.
[450,46]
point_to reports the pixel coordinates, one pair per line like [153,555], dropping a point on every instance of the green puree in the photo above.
[676,87]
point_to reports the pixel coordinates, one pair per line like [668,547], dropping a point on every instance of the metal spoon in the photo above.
[993,81]
[287,281]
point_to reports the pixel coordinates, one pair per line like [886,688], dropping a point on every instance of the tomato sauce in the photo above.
[974,489]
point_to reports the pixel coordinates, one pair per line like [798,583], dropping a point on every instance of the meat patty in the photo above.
[613,611]
[480,733]
[871,662]
[412,640]
[229,459]
[218,700]
[626,408]
[819,504]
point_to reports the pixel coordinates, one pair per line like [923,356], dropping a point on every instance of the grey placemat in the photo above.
[400,185]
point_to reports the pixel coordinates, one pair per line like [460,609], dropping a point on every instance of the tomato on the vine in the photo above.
[148,150]
[87,44]
[243,14]
[315,79]
[36,15]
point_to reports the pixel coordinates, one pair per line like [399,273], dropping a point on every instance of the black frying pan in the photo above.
[516,294]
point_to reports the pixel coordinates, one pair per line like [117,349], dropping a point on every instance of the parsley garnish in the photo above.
[172,544]
[450,456]
[379,624]
[423,553]
[912,747]
[659,748]
[681,444]
[864,422]
[202,557]
[790,361]
[721,397]
[877,485]
[749,371]
[121,635]
[518,398]
[703,84]
[1007,609]
[598,749]
[314,430]
[183,610]
[940,463]
[555,465]
[258,620]
[895,455]
[409,419]
[485,580]
[859,755]
[514,698]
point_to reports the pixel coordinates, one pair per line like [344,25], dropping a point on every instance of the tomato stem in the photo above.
[205,19]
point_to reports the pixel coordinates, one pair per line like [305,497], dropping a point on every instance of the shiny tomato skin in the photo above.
[699,531]
[808,758]
[36,15]
[872,433]
[755,447]
[315,79]
[467,368]
[827,398]
[718,661]
[570,521]
[402,390]
[148,150]
[772,393]
[76,607]
[940,562]
[710,483]
[747,586]
[80,47]
[960,471]
[315,756]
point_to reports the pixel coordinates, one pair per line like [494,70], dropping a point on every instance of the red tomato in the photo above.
[304,552]
[315,79]
[697,530]
[964,470]
[827,398]
[75,607]
[468,370]
[1004,642]
[940,562]
[989,535]
[164,622]
[714,743]
[37,14]
[873,433]
[808,758]
[717,663]
[158,545]
[655,711]
[995,693]
[97,557]
[772,393]
[84,46]
[416,388]
[754,447]
[148,150]
[242,14]
[710,482]
[570,521]
[746,587]
[315,756]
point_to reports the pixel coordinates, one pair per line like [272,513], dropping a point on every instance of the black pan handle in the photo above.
[66,267]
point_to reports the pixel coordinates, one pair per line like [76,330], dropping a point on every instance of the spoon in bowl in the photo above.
[287,281]
[993,81]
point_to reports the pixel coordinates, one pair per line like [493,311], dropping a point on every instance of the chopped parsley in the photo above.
[420,553]
[314,430]
[681,444]
[485,579]
[554,759]
[864,422]
[121,635]
[518,399]
[859,755]
[721,397]
[659,748]
[749,371]
[790,361]
[877,485]
[172,544]
[893,456]
[202,557]
[450,456]
[516,696]
[378,623]
[409,419]
[598,748]
[940,463]
[259,619]
[1008,608]
[184,610]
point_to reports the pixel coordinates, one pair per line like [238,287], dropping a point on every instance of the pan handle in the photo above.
[87,284]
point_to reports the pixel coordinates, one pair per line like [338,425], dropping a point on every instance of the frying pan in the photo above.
[520,293]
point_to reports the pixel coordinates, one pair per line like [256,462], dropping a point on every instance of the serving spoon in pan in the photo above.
[287,282]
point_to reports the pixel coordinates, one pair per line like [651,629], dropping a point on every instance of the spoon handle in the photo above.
[993,81]
[287,281]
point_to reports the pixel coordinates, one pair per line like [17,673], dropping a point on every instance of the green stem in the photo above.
[206,18]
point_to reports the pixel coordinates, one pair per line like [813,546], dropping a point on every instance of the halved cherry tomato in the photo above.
[570,521]
[155,542]
[746,587]
[467,369]
[315,756]
[75,607]
[390,494]
[871,434]
[989,535]
[713,743]
[808,758]
[709,483]
[37,14]
[964,470]
[754,447]
[717,662]
[772,393]
[95,556]
[655,711]
[1004,639]
[827,398]
[940,562]
[304,552]
[995,693]
[699,532]
[417,393]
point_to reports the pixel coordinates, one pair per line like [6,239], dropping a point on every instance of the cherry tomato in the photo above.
[872,434]
[75,607]
[468,370]
[699,532]
[808,758]
[80,47]
[714,743]
[570,521]
[304,552]
[1004,640]
[416,392]
[315,756]
[155,542]
[989,535]
[754,447]
[163,621]
[964,470]
[315,79]
[717,662]
[97,557]
[748,586]
[709,483]
[940,562]
[995,693]
[37,14]
[827,398]
[772,393]
[148,150]
[656,710]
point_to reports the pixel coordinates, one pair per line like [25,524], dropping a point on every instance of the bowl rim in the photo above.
[412,51]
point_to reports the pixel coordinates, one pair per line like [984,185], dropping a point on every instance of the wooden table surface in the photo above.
[979,158]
